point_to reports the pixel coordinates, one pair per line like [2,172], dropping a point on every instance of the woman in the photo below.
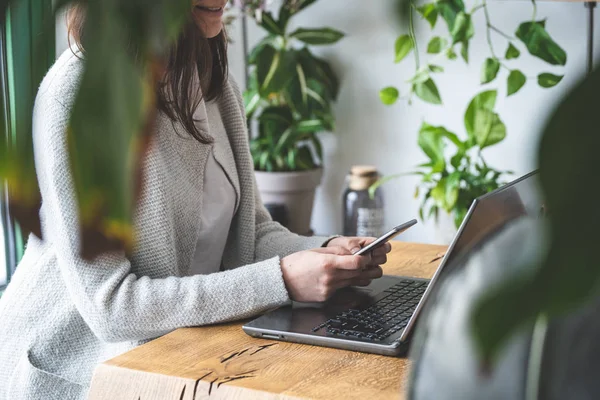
[207,251]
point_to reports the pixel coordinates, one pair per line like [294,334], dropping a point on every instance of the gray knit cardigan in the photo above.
[61,315]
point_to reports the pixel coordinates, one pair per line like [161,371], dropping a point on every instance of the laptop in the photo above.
[381,317]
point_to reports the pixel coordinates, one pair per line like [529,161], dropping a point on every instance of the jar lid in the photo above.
[362,177]
[363,170]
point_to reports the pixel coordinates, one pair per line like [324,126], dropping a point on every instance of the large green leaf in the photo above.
[485,100]
[317,36]
[463,29]
[428,91]
[430,13]
[104,134]
[490,69]
[540,44]
[547,80]
[431,141]
[273,70]
[404,45]
[567,276]
[318,69]
[516,80]
[449,10]
[389,95]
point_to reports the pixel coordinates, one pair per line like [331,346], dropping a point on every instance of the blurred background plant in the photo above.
[290,90]
[110,123]
[450,182]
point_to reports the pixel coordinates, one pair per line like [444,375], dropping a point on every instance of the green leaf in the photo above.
[251,102]
[284,141]
[319,70]
[304,4]
[389,95]
[404,45]
[464,51]
[318,147]
[436,45]
[277,75]
[104,133]
[435,68]
[565,277]
[463,29]
[431,141]
[268,23]
[451,54]
[485,100]
[291,158]
[430,13]
[512,52]
[516,80]
[490,69]
[304,159]
[547,80]
[428,92]
[449,10]
[311,126]
[285,12]
[489,129]
[317,36]
[540,44]
[271,41]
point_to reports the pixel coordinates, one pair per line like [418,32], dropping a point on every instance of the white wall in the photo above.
[369,132]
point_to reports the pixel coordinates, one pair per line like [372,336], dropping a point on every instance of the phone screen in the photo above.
[386,237]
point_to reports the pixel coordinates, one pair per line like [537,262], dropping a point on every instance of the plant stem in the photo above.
[413,36]
[488,30]
[534,11]
[501,33]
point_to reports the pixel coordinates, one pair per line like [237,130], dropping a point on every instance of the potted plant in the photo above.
[288,102]
[450,181]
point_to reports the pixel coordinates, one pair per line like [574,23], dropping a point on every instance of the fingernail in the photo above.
[354,250]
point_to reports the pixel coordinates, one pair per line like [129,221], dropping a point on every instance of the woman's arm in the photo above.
[114,302]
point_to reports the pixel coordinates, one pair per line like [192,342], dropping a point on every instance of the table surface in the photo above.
[221,361]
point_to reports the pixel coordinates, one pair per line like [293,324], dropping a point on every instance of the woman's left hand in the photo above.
[353,244]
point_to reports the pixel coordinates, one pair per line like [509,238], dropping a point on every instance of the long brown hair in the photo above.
[184,96]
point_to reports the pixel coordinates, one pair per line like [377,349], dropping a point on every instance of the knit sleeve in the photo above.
[117,304]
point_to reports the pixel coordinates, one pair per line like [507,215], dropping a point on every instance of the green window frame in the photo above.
[27,52]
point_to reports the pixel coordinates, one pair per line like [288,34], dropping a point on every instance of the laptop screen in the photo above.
[492,211]
[487,214]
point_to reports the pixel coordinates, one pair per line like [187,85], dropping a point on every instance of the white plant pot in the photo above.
[295,190]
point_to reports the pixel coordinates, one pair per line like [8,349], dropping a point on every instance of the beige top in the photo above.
[220,200]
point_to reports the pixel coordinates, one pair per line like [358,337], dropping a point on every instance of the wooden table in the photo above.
[223,362]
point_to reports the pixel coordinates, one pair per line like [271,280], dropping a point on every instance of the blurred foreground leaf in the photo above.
[569,274]
[104,133]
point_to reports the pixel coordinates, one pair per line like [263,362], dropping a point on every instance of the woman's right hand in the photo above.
[314,275]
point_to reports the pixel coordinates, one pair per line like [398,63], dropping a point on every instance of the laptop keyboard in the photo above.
[381,319]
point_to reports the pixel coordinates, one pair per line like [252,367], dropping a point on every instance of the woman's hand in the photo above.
[314,275]
[353,244]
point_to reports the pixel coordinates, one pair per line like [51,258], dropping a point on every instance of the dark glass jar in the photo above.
[363,215]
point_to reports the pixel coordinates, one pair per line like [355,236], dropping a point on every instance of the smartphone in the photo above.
[386,237]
